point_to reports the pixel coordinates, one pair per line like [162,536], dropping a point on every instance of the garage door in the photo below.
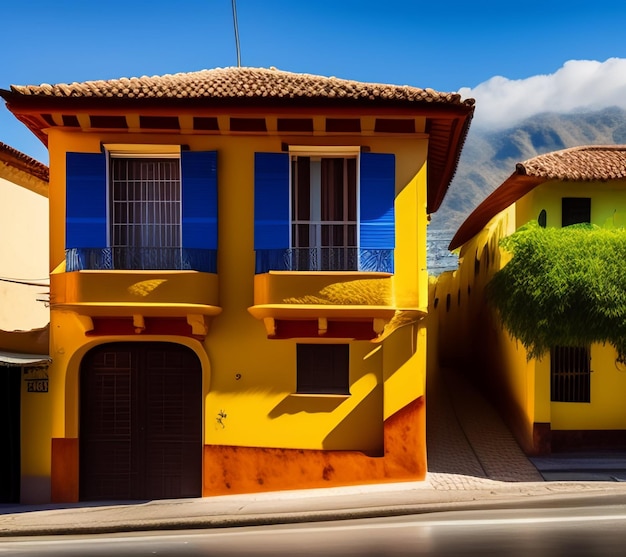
[140,422]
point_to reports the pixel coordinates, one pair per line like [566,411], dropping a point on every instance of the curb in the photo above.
[471,500]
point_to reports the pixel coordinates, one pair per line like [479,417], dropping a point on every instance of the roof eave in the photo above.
[510,191]
[439,182]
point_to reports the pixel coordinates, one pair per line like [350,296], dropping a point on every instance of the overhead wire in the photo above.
[26,282]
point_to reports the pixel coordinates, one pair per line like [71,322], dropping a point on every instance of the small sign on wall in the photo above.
[36,380]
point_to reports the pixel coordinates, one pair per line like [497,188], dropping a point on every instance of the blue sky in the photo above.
[514,58]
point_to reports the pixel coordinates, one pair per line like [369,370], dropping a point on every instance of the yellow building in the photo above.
[24,314]
[238,281]
[571,397]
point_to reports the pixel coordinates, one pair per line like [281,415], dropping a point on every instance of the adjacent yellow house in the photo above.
[573,396]
[24,314]
[238,281]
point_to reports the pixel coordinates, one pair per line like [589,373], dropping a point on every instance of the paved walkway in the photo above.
[466,436]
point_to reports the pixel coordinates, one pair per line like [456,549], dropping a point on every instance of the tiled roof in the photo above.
[103,104]
[240,84]
[14,158]
[594,162]
[578,164]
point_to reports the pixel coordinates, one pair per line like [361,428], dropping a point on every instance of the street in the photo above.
[577,531]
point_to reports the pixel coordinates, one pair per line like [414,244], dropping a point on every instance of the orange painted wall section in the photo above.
[64,474]
[230,470]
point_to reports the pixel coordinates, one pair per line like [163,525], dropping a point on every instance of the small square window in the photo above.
[323,369]
[575,210]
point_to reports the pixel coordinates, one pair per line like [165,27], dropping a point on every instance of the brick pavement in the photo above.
[466,438]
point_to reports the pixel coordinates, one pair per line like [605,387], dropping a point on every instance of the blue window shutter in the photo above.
[377,195]
[199,192]
[271,201]
[86,201]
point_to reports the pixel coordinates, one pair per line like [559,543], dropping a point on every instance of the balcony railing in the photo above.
[162,259]
[325,259]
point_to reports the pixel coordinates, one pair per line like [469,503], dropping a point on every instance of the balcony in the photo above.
[100,259]
[325,259]
[100,283]
[323,304]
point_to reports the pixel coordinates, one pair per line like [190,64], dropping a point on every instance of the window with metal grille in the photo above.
[145,212]
[570,369]
[323,368]
[324,213]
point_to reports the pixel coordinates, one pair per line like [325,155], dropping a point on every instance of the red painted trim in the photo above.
[357,330]
[106,326]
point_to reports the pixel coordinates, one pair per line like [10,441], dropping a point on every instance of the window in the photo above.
[324,213]
[145,212]
[570,368]
[575,210]
[324,208]
[141,207]
[323,369]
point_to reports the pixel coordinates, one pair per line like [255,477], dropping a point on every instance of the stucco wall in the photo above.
[23,257]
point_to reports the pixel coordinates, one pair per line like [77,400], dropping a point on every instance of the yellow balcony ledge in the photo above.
[326,304]
[135,288]
[137,295]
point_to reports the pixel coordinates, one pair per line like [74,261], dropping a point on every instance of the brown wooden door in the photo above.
[140,422]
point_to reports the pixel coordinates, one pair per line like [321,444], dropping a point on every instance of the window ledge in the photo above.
[320,395]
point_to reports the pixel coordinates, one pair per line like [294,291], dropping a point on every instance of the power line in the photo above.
[234,3]
[23,281]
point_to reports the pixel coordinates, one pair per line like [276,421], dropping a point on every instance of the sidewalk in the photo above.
[301,506]
[474,462]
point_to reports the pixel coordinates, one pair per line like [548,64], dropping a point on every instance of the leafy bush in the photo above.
[563,287]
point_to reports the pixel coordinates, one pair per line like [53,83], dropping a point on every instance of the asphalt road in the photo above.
[596,531]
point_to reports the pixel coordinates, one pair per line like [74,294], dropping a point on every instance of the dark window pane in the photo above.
[323,368]
[575,210]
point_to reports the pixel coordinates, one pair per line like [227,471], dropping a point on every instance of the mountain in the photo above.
[489,157]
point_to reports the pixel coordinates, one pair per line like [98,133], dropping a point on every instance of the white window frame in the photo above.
[316,153]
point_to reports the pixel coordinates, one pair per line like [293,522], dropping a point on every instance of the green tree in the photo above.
[563,287]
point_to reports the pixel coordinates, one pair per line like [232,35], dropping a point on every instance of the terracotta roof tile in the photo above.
[595,162]
[239,83]
[448,115]
[20,161]
[577,164]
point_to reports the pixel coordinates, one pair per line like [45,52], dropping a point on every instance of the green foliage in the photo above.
[563,287]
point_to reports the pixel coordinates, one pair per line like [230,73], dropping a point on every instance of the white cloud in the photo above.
[579,85]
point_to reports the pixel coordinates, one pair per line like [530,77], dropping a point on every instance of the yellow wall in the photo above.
[606,409]
[608,202]
[249,381]
[471,337]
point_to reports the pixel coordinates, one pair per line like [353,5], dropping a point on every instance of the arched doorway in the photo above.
[140,422]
